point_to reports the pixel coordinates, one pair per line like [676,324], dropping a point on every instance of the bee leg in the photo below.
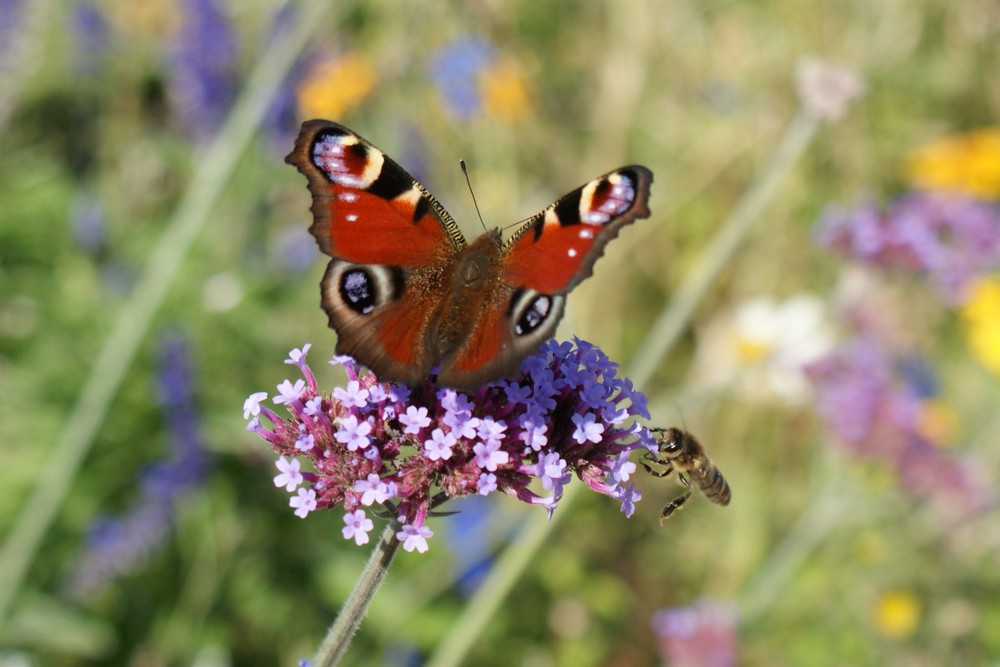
[657,473]
[677,502]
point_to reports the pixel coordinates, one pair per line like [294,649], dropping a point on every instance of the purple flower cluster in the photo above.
[699,635]
[116,545]
[873,405]
[950,237]
[202,65]
[374,445]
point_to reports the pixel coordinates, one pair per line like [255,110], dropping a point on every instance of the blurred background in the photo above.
[843,369]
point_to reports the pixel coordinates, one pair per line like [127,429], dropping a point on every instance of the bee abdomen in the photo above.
[714,486]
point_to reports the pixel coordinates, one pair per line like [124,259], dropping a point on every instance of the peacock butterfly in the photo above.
[408,296]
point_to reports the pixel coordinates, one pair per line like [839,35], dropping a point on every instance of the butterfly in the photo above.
[409,297]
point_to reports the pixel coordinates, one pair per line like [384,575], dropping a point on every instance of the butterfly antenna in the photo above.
[468,182]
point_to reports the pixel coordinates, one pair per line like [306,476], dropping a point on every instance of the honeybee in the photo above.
[681,451]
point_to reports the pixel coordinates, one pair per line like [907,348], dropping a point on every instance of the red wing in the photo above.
[366,208]
[375,323]
[557,248]
[508,328]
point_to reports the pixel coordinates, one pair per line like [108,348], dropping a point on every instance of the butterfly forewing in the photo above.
[366,208]
[557,248]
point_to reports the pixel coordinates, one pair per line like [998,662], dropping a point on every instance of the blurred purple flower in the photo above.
[699,635]
[951,237]
[117,546]
[410,450]
[281,123]
[873,404]
[202,68]
[455,69]
[91,30]
[11,13]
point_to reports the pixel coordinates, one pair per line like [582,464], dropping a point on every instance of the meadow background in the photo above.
[842,367]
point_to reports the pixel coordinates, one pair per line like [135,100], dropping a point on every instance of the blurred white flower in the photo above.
[760,348]
[825,89]
[221,292]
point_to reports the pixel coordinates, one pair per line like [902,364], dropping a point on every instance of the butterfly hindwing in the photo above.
[512,326]
[557,248]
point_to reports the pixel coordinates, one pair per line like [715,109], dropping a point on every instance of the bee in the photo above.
[681,451]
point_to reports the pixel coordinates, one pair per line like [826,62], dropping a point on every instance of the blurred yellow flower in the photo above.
[896,614]
[937,422]
[503,88]
[981,314]
[968,163]
[334,87]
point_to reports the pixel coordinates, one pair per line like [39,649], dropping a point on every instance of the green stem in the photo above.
[339,636]
[212,172]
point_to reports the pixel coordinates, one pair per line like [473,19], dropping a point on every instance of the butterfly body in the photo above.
[406,293]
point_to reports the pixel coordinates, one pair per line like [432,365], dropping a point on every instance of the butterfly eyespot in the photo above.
[361,288]
[345,160]
[358,291]
[605,199]
[531,310]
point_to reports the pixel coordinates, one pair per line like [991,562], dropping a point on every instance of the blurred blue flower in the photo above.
[455,69]
[86,223]
[281,123]
[91,31]
[202,68]
[118,545]
[699,635]
[953,238]
[471,536]
[293,250]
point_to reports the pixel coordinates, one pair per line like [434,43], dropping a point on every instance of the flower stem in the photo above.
[339,636]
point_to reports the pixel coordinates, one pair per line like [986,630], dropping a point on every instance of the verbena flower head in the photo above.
[878,408]
[386,449]
[952,238]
